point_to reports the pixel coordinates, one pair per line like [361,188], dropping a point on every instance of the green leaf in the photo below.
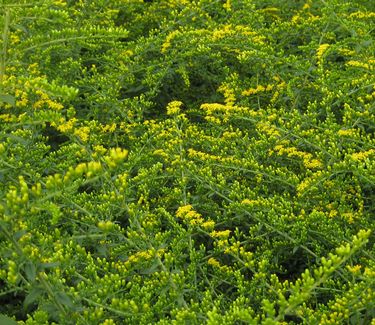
[64,299]
[9,99]
[19,234]
[49,265]
[30,271]
[5,320]
[34,294]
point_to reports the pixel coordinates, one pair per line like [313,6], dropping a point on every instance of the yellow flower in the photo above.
[320,51]
[66,126]
[313,163]
[354,268]
[83,133]
[227,5]
[212,261]
[99,149]
[173,108]
[190,216]
[167,44]
[359,14]
[362,155]
[208,225]
[346,132]
[357,64]
[228,93]
[181,211]
[224,234]
[116,155]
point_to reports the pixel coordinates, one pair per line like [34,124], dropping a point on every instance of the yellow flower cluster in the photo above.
[65,126]
[116,156]
[205,157]
[173,108]
[22,98]
[228,110]
[99,150]
[361,15]
[322,49]
[106,225]
[229,95]
[110,128]
[358,64]
[257,89]
[347,132]
[269,129]
[362,155]
[214,262]
[82,133]
[235,31]
[307,157]
[222,32]
[257,202]
[193,218]
[355,268]
[227,5]
[8,117]
[223,234]
[168,41]
[307,182]
[46,101]
[145,255]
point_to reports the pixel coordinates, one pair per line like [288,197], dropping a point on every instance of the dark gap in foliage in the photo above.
[55,139]
[12,304]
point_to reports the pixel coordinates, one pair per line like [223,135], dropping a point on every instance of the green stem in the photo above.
[4,50]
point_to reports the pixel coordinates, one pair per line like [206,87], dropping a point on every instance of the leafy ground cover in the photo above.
[187,162]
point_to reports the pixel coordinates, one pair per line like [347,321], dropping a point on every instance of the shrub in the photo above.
[187,162]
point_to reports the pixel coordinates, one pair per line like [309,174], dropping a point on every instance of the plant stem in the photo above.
[4,50]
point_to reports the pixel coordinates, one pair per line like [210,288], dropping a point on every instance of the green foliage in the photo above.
[187,162]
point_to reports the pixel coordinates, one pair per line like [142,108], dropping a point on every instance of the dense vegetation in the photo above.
[187,162]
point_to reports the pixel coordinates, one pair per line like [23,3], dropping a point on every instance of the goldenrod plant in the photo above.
[187,162]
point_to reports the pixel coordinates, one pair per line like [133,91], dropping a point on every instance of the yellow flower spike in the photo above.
[354,269]
[208,225]
[312,164]
[173,108]
[93,167]
[212,261]
[228,93]
[82,133]
[347,132]
[100,149]
[322,49]
[181,211]
[227,5]
[362,155]
[80,169]
[168,41]
[116,155]
[224,234]
[66,126]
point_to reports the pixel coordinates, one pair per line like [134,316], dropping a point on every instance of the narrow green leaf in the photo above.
[5,320]
[49,265]
[19,234]
[9,99]
[33,296]
[64,299]
[30,271]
